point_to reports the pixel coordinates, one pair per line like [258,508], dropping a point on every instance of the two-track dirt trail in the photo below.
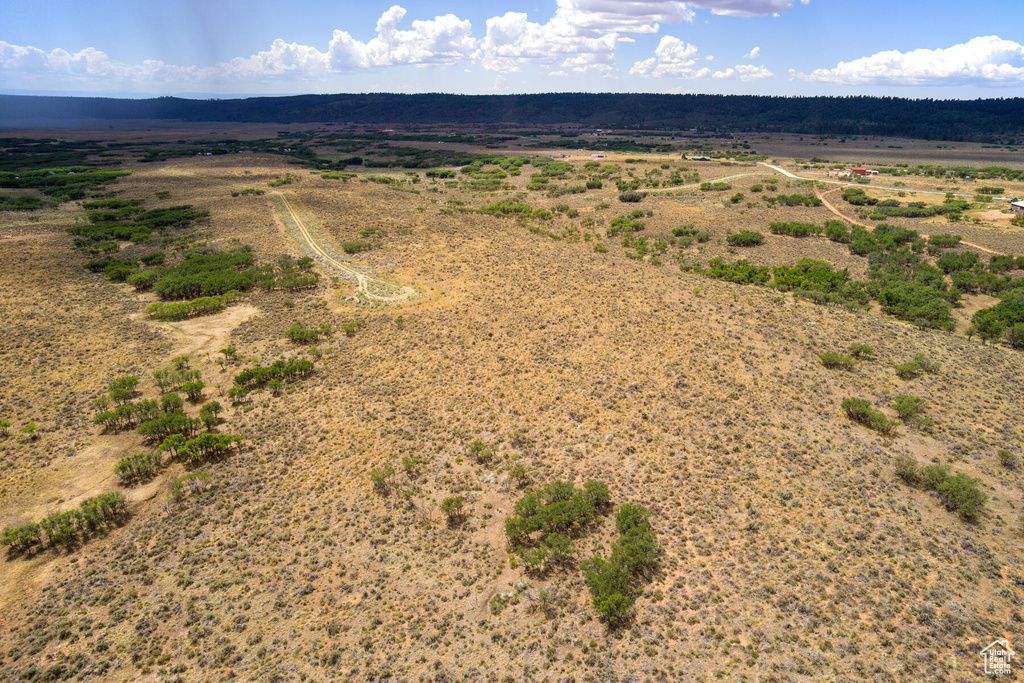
[373,288]
[821,195]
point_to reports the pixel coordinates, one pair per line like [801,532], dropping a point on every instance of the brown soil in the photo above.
[792,552]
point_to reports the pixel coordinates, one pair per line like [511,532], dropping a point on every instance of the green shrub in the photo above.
[453,508]
[614,583]
[836,361]
[745,238]
[908,371]
[356,246]
[183,310]
[957,491]
[795,229]
[861,350]
[907,470]
[961,493]
[632,196]
[383,479]
[138,467]
[860,410]
[300,334]
[837,232]
[1007,459]
[907,406]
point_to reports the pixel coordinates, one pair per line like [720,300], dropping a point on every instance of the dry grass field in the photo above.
[791,549]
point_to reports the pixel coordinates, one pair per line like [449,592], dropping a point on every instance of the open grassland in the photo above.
[791,548]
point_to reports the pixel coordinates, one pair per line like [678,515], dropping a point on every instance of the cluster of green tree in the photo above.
[70,527]
[176,375]
[550,168]
[793,200]
[555,191]
[128,415]
[642,247]
[259,376]
[883,209]
[300,334]
[951,208]
[557,512]
[506,166]
[256,192]
[557,508]
[615,583]
[138,467]
[816,280]
[858,197]
[1005,318]
[485,185]
[980,120]
[202,448]
[25,154]
[745,238]
[957,491]
[834,360]
[414,157]
[208,272]
[942,241]
[62,184]
[130,223]
[795,229]
[508,208]
[903,282]
[689,234]
[861,410]
[22,202]
[183,310]
[612,144]
[741,271]
[715,187]
[916,367]
[124,413]
[909,409]
[838,232]
[632,196]
[629,222]
[963,172]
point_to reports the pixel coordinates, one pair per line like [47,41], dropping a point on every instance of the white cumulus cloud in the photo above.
[753,54]
[746,8]
[582,33]
[743,72]
[442,40]
[673,58]
[986,60]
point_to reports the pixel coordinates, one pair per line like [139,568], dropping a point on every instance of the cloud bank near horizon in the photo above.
[581,36]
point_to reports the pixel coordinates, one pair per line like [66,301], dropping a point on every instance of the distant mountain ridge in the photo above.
[994,120]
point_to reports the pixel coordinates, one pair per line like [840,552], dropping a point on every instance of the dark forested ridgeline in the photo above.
[980,120]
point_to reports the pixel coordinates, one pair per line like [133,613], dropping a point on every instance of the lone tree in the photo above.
[452,507]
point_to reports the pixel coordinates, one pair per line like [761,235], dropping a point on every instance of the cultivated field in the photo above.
[483,356]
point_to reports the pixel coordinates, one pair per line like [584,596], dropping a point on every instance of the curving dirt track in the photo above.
[374,289]
[821,195]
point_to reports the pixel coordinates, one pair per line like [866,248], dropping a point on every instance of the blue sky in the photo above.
[904,48]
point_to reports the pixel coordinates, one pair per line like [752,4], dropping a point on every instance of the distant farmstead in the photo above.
[1017,205]
[858,170]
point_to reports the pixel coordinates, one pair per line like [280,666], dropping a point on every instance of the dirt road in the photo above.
[372,288]
[828,205]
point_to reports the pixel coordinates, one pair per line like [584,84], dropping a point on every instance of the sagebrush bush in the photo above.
[862,411]
[836,361]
